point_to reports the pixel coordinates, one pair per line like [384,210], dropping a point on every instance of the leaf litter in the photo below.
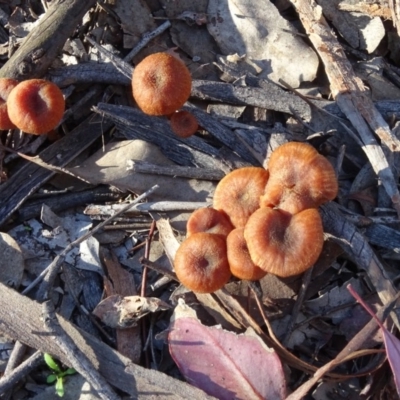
[251,66]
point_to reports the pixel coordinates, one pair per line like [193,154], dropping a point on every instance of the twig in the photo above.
[352,97]
[53,268]
[118,63]
[355,244]
[164,280]
[145,167]
[157,206]
[352,346]
[24,322]
[16,356]
[8,381]
[146,255]
[15,359]
[45,41]
[299,302]
[143,325]
[77,358]
[146,39]
[271,340]
[66,199]
[395,11]
[157,267]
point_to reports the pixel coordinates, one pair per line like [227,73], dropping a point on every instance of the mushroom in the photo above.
[183,123]
[36,106]
[208,220]
[300,178]
[6,85]
[240,262]
[238,193]
[284,244]
[161,84]
[201,263]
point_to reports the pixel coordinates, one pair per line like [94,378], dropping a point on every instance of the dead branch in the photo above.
[23,322]
[45,41]
[76,358]
[9,380]
[182,172]
[351,96]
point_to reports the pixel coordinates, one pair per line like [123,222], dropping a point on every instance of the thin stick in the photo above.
[122,66]
[146,39]
[57,262]
[159,268]
[354,344]
[299,302]
[14,361]
[143,324]
[146,255]
[209,174]
[7,382]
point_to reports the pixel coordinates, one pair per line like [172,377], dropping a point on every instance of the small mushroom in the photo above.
[284,244]
[201,263]
[238,193]
[36,106]
[300,178]
[239,259]
[183,123]
[6,85]
[208,220]
[161,84]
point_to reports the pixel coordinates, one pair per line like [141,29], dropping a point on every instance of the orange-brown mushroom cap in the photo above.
[239,259]
[6,85]
[183,123]
[208,220]
[36,106]
[284,244]
[201,263]
[238,193]
[161,84]
[300,178]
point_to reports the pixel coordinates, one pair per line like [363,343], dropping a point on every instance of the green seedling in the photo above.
[58,375]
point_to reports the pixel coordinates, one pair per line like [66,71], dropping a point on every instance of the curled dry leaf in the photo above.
[124,312]
[224,364]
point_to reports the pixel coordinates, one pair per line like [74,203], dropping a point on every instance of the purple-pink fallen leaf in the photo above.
[224,364]
[392,344]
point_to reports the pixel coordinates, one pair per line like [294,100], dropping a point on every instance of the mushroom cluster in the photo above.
[262,221]
[161,84]
[35,106]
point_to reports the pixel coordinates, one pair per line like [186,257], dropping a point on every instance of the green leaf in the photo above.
[51,378]
[70,371]
[60,387]
[48,359]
